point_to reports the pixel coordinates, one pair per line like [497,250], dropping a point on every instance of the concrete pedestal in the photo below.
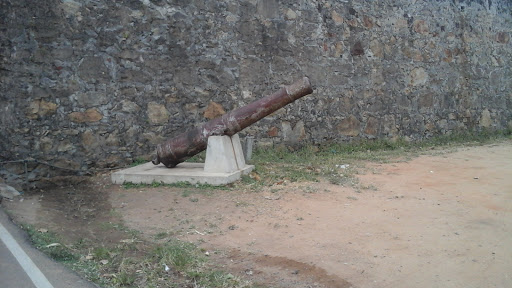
[224,164]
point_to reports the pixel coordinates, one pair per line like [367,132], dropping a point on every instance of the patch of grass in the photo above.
[370,187]
[242,204]
[161,235]
[114,213]
[189,192]
[81,243]
[50,244]
[281,154]
[120,227]
[218,279]
[343,177]
[246,179]
[91,271]
[123,278]
[72,258]
[254,184]
[138,161]
[296,172]
[198,158]
[172,264]
[362,146]
[186,259]
[309,189]
[466,137]
[130,185]
[181,256]
[311,163]
[101,253]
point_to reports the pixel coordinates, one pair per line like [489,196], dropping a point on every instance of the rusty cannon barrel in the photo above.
[185,145]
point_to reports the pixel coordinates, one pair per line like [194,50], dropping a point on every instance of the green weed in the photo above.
[101,253]
[198,158]
[181,255]
[50,244]
[125,278]
[218,279]
[311,163]
[120,227]
[130,185]
[172,264]
[161,235]
[138,161]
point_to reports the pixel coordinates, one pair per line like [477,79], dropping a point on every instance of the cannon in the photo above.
[187,144]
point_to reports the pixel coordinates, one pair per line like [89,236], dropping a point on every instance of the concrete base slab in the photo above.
[224,164]
[183,172]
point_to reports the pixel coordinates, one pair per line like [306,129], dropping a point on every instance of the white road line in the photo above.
[26,263]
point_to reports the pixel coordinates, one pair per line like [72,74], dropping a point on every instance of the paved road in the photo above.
[22,266]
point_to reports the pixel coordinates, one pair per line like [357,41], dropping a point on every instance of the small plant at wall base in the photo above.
[138,161]
[313,162]
[199,186]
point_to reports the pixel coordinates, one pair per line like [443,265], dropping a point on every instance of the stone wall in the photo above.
[98,83]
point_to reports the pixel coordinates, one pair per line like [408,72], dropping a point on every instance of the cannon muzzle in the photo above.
[185,145]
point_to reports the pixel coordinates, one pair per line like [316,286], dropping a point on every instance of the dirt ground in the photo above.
[440,220]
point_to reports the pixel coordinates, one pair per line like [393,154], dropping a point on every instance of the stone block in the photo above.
[273,131]
[372,126]
[8,192]
[268,8]
[157,113]
[338,20]
[91,98]
[90,115]
[418,77]
[295,135]
[420,26]
[40,108]
[129,106]
[349,126]
[290,14]
[214,110]
[502,37]
[357,49]
[485,119]
[92,69]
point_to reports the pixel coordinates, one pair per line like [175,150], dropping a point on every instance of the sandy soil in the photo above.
[433,221]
